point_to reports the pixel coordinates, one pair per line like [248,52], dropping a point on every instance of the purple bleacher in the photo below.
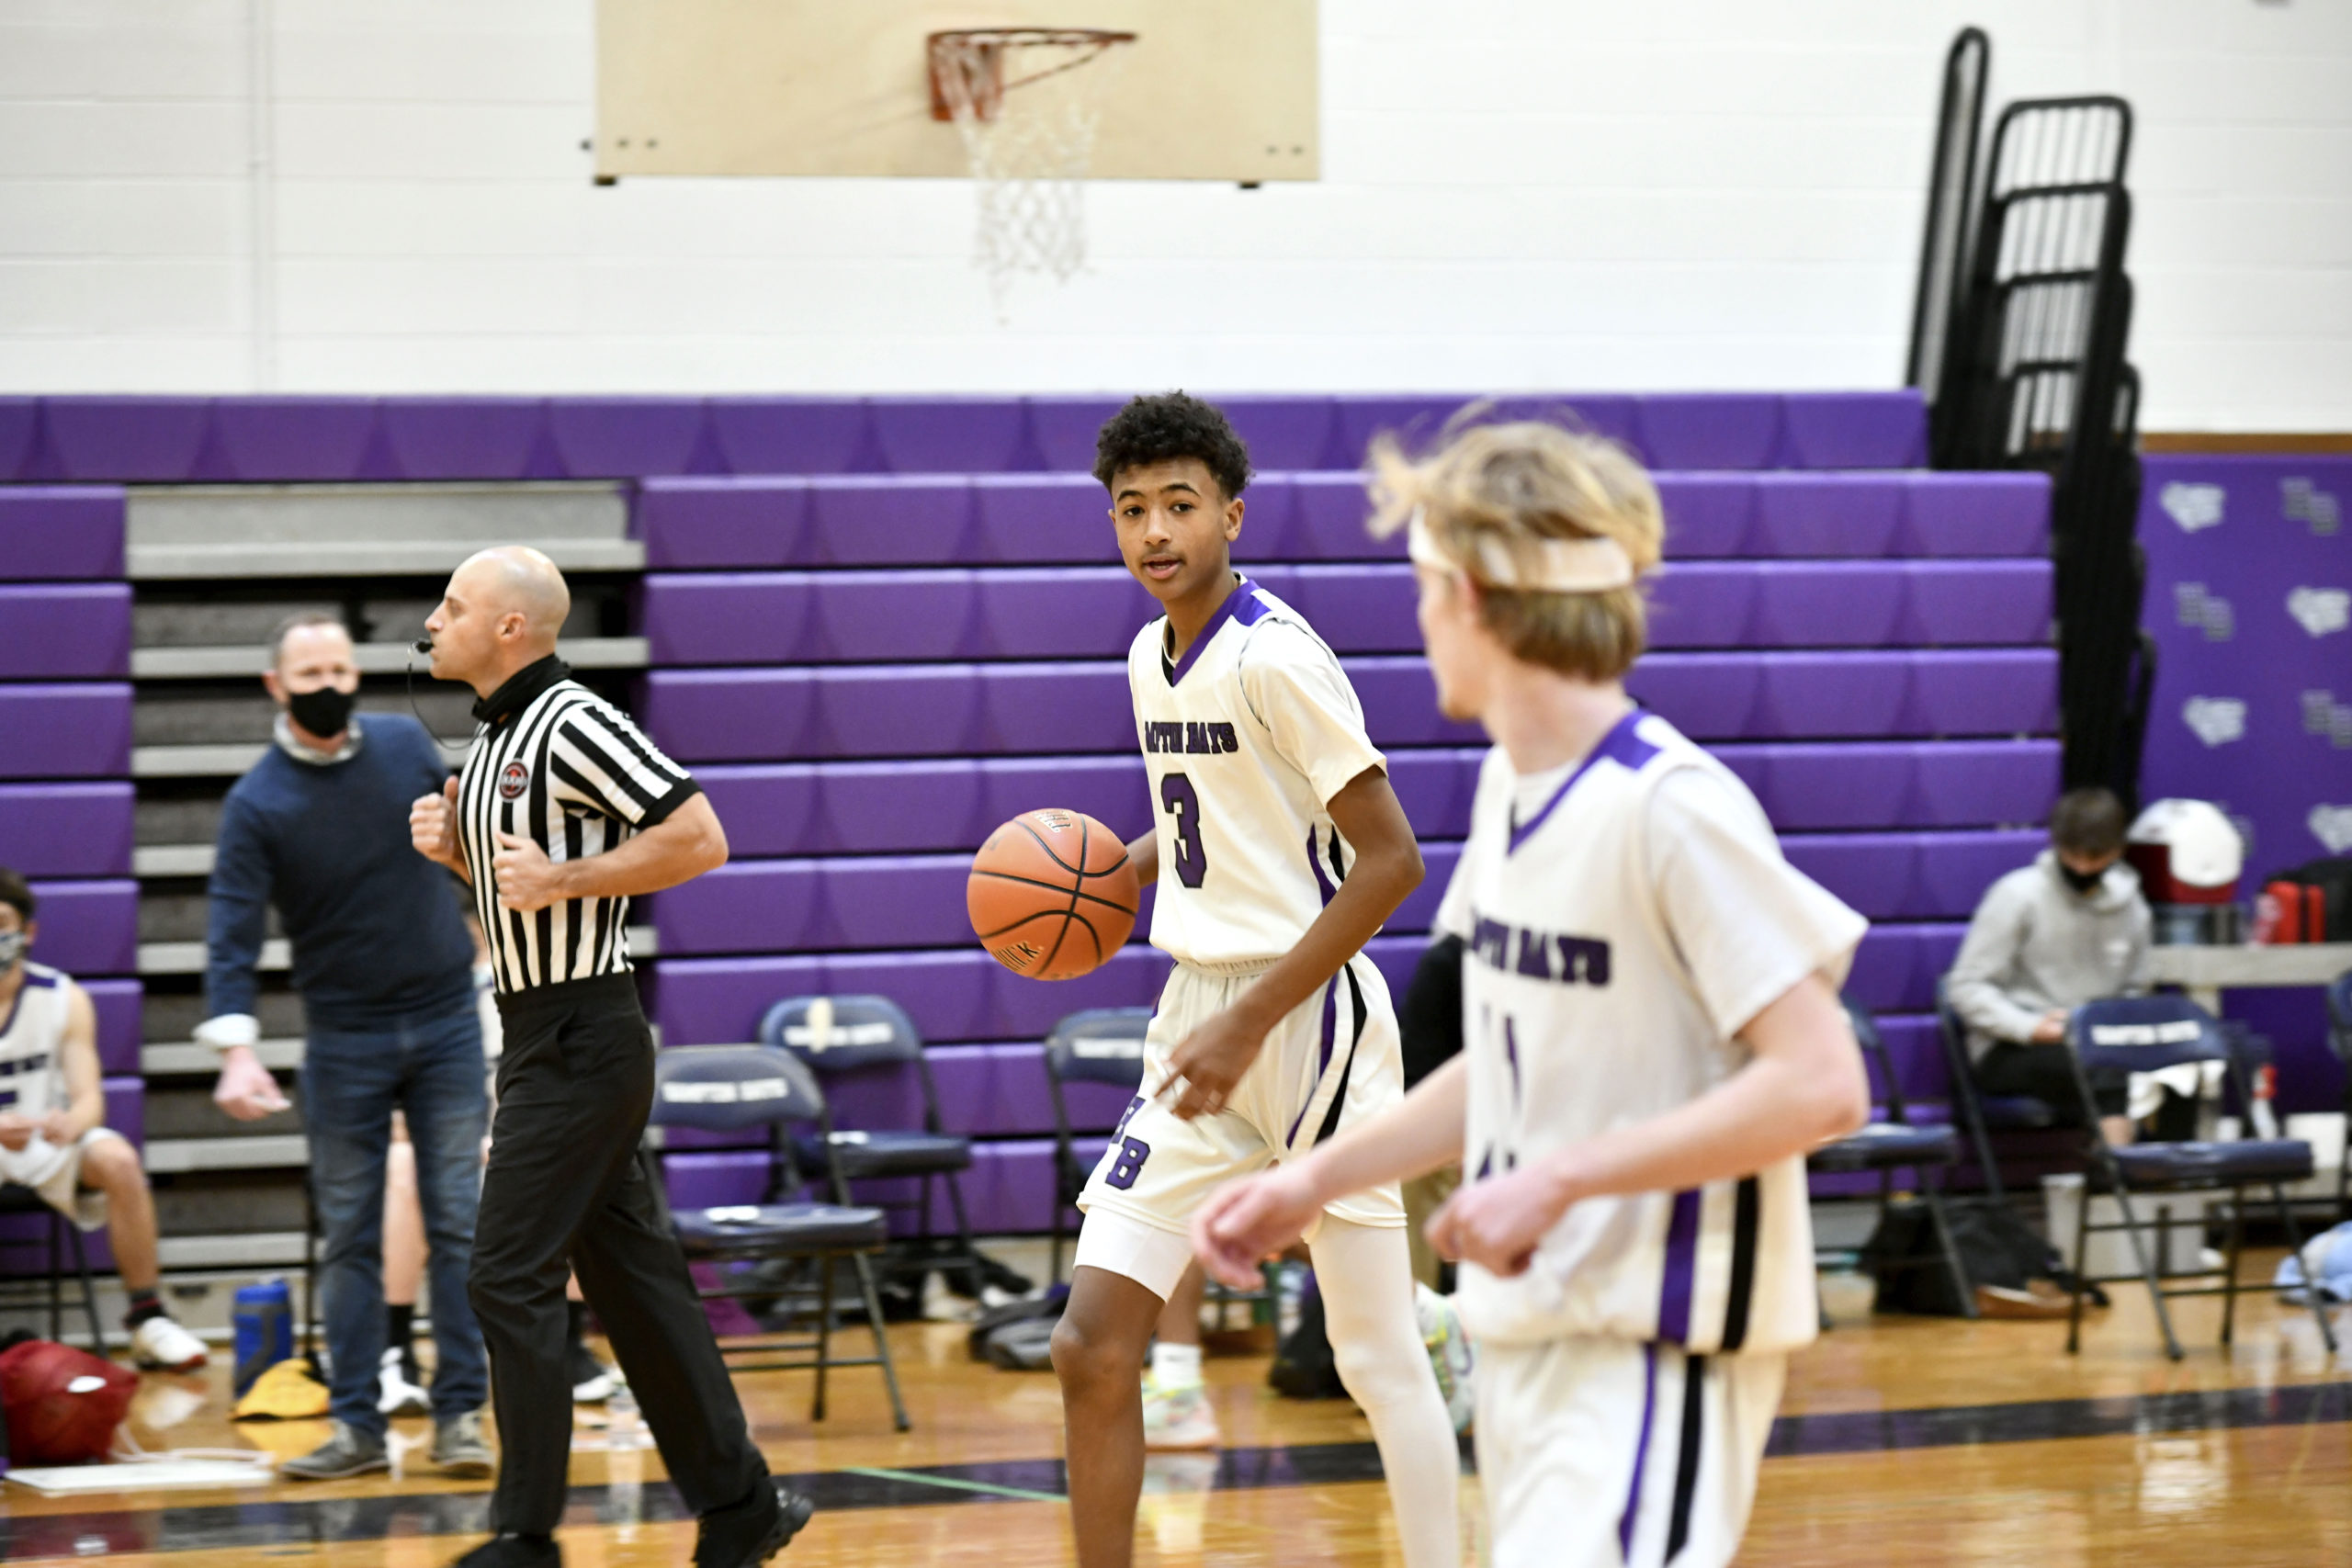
[963,994]
[284,439]
[691,523]
[54,532]
[1854,430]
[19,420]
[66,830]
[1975,515]
[88,928]
[740,715]
[1064,429]
[1911,876]
[78,730]
[1704,430]
[804,808]
[464,438]
[952,435]
[122,439]
[625,438]
[1287,432]
[1040,519]
[56,630]
[889,521]
[117,1004]
[792,435]
[871,903]
[1956,783]
[294,440]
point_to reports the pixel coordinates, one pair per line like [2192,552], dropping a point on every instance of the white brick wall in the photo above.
[1536,192]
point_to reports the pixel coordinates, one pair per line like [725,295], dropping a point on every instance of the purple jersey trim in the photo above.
[1621,745]
[1641,1453]
[1323,1059]
[1242,604]
[1682,1262]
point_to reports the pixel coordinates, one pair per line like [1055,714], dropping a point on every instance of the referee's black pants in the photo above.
[566,1184]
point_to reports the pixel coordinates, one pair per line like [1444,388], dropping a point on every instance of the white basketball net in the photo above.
[1027,110]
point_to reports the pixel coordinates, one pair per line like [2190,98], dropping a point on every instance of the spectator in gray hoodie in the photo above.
[2069,929]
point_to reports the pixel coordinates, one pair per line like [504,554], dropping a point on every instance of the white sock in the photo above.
[1175,1367]
[1366,1275]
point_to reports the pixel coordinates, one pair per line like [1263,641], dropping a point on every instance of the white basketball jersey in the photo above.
[1245,740]
[1624,918]
[32,1067]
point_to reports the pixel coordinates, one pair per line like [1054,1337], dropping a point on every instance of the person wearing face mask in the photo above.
[2069,929]
[318,830]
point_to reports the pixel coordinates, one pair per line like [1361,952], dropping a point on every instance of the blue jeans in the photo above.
[351,1084]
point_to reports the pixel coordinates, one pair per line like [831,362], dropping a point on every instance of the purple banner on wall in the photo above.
[2250,601]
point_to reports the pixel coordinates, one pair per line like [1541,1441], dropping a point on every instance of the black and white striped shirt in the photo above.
[554,761]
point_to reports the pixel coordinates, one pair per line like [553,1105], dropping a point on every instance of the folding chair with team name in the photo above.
[726,1088]
[2142,1035]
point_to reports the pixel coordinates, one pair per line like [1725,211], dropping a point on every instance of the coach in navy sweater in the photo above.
[385,967]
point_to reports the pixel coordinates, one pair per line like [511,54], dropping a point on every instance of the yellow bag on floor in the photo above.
[290,1391]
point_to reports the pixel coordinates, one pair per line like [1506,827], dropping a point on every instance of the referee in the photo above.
[563,811]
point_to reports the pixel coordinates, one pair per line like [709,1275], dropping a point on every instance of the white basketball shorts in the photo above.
[1610,1453]
[1334,1062]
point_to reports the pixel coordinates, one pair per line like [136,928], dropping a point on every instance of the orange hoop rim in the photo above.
[990,43]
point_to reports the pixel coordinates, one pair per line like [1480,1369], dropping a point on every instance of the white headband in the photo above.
[1558,566]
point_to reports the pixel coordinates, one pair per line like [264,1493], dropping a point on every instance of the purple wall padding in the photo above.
[781,809]
[885,902]
[60,630]
[787,618]
[117,1003]
[163,440]
[65,731]
[2250,600]
[66,830]
[742,716]
[87,928]
[966,995]
[50,533]
[850,520]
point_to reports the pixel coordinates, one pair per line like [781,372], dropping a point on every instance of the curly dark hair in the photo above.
[1168,426]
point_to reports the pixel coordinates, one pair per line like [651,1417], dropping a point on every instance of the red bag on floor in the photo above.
[62,1404]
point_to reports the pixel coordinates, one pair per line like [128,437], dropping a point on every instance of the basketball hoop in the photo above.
[1027,110]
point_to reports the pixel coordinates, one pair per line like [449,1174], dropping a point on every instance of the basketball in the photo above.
[1052,894]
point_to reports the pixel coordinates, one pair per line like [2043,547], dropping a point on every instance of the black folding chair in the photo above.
[2145,1034]
[1101,1045]
[1928,1149]
[1983,1114]
[64,1236]
[2339,1039]
[725,1088]
[838,1036]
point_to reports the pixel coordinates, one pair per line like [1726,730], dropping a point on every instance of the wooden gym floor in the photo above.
[1923,1442]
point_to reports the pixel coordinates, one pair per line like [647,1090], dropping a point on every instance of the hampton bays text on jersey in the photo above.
[1540,955]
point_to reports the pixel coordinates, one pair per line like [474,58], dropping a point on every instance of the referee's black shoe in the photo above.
[746,1534]
[513,1552]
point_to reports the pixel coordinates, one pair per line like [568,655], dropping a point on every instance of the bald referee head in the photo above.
[501,611]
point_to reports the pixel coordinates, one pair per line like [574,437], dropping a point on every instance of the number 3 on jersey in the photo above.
[1177,796]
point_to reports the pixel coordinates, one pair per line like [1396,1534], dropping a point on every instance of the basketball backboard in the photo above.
[1211,90]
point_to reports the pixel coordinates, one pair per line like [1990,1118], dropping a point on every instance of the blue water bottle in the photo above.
[264,1316]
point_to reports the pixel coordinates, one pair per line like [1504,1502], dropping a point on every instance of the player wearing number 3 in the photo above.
[1279,851]
[1652,1037]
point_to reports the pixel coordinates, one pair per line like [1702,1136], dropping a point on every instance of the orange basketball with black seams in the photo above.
[1053,895]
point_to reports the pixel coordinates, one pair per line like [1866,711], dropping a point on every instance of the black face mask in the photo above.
[2082,881]
[325,713]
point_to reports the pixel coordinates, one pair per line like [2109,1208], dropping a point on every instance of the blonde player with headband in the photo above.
[1652,1036]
